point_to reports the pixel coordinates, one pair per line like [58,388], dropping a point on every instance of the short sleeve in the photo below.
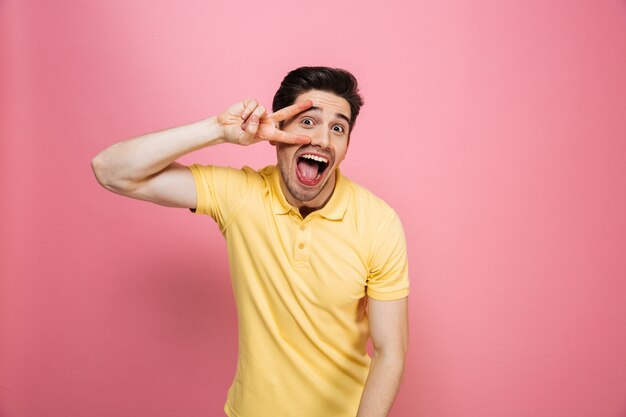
[220,191]
[389,276]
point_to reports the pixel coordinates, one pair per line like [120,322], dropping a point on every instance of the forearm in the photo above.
[382,385]
[135,159]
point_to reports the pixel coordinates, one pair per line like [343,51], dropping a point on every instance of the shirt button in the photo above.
[301,245]
[302,228]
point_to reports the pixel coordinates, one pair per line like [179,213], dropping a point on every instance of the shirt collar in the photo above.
[334,209]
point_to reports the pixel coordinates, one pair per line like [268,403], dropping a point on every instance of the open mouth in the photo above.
[310,168]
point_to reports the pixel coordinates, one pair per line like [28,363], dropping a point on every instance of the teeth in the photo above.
[315,158]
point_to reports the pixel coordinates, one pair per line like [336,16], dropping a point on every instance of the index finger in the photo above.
[288,138]
[290,111]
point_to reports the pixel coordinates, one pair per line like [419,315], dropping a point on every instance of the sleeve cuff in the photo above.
[387,296]
[201,190]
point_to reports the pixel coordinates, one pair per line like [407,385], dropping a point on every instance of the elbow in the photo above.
[397,356]
[395,353]
[99,169]
[103,172]
[393,360]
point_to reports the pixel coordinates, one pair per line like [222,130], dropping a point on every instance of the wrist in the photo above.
[214,131]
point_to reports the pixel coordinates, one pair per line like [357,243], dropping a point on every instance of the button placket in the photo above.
[302,250]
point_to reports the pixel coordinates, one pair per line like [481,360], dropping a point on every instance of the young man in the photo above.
[318,263]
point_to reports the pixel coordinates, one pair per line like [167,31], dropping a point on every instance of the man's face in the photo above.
[308,171]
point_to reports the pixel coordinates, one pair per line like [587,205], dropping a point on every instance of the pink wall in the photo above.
[496,129]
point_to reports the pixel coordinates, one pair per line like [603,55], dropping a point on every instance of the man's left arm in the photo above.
[389,332]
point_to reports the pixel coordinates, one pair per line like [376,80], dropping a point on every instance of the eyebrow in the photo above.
[339,115]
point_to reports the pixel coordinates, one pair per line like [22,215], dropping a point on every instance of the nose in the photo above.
[321,138]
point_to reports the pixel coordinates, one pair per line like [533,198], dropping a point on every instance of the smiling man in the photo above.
[318,263]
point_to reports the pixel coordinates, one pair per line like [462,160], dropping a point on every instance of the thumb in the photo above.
[243,138]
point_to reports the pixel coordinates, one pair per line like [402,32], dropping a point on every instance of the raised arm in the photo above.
[144,167]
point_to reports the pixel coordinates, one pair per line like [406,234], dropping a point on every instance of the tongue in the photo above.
[308,170]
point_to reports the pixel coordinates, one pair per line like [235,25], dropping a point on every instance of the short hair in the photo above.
[332,80]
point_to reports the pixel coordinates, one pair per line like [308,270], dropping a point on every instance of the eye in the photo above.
[307,121]
[339,129]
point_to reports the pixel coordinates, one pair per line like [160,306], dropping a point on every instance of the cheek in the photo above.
[341,153]
[285,155]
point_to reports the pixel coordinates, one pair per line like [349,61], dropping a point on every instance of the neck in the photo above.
[305,211]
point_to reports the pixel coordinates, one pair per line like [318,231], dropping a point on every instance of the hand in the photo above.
[245,123]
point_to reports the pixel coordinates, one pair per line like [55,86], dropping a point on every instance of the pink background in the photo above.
[496,129]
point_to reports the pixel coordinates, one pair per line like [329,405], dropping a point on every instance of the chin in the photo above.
[302,194]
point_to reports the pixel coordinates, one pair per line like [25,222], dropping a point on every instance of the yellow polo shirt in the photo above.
[300,288]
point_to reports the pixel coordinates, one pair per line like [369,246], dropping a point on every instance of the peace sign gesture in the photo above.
[246,122]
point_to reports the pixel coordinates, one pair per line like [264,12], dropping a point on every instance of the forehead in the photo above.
[326,101]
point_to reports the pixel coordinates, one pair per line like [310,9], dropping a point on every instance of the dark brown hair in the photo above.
[333,80]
